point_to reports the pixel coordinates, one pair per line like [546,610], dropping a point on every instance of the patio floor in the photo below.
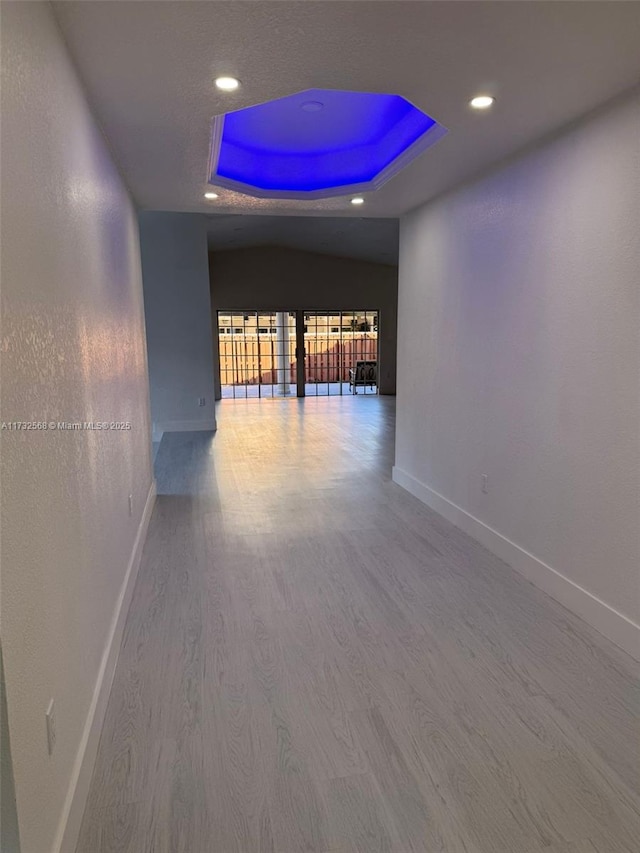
[311,389]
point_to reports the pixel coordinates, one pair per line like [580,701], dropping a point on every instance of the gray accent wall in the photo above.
[270,278]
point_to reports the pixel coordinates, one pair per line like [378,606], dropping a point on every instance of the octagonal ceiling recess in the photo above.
[318,143]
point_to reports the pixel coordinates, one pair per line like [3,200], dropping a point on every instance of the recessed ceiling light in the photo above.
[482,102]
[211,195]
[227,84]
[357,200]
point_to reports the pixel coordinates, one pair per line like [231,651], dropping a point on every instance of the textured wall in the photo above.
[73,349]
[9,835]
[271,278]
[178,313]
[519,323]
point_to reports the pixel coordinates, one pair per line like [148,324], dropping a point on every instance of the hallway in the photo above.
[315,661]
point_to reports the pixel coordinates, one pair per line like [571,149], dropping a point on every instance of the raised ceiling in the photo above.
[364,239]
[318,143]
[149,69]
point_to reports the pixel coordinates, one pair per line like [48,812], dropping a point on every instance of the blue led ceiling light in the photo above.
[318,143]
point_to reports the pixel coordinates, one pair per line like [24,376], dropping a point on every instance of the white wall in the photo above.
[9,836]
[519,321]
[175,269]
[73,349]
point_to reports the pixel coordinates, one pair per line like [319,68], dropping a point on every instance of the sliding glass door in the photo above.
[341,352]
[304,353]
[257,353]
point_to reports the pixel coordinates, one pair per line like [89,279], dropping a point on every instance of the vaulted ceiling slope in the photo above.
[363,239]
[149,69]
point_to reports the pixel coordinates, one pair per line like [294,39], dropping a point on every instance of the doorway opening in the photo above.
[269,354]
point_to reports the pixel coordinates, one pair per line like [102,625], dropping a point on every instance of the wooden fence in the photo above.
[251,360]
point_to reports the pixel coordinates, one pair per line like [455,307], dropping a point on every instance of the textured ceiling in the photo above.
[363,239]
[149,69]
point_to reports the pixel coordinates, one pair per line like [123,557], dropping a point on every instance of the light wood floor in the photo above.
[314,661]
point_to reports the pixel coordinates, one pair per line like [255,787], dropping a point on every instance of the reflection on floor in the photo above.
[314,661]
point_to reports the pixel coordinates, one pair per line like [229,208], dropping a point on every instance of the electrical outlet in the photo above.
[50,717]
[130,504]
[485,484]
[202,402]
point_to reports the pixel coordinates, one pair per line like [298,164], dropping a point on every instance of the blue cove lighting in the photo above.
[318,143]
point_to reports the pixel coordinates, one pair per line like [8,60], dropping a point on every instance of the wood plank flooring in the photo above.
[315,661]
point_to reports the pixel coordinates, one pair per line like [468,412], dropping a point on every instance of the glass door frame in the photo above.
[259,351]
[370,318]
[334,361]
[301,354]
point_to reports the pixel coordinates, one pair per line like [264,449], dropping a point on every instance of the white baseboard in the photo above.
[206,424]
[71,820]
[601,616]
